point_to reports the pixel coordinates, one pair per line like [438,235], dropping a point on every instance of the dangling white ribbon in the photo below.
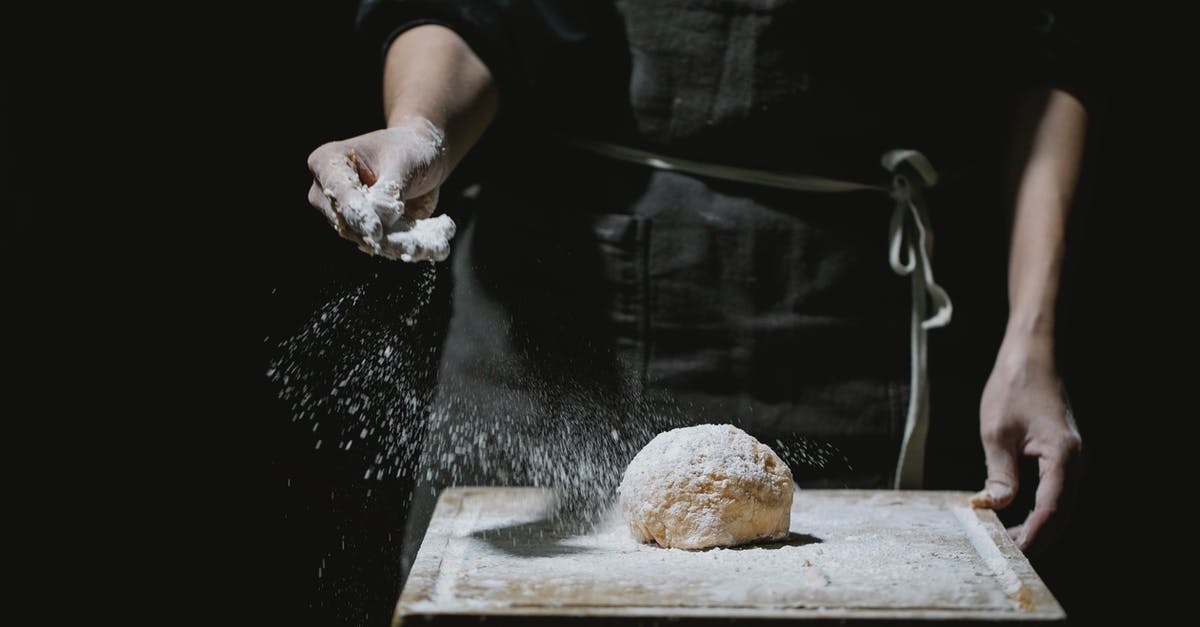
[909,234]
[908,254]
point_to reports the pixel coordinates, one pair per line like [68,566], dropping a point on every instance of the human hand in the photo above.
[1024,411]
[378,190]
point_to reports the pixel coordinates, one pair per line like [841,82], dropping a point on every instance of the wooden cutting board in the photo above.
[852,555]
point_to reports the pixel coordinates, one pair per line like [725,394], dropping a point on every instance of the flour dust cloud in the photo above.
[363,372]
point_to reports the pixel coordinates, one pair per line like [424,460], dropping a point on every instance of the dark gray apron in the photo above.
[598,302]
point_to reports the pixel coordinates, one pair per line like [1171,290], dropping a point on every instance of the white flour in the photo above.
[358,372]
[420,240]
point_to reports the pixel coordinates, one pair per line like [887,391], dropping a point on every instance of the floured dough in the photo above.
[706,486]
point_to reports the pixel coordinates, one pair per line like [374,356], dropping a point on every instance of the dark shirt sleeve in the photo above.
[548,57]
[1055,49]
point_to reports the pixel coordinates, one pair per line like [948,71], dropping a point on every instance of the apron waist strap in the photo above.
[908,255]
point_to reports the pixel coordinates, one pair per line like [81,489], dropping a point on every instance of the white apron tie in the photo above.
[908,254]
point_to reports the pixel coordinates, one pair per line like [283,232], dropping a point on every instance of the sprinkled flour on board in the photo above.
[846,549]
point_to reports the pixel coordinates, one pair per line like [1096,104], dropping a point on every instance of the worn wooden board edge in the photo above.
[422,576]
[984,529]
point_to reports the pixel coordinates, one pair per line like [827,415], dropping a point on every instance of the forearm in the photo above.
[1051,133]
[430,72]
[1023,410]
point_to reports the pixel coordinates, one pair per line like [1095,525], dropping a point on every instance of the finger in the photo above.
[1051,480]
[1001,485]
[402,246]
[337,174]
[317,199]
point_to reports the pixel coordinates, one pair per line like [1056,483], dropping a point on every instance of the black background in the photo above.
[159,244]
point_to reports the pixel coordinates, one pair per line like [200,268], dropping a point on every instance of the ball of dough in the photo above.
[705,486]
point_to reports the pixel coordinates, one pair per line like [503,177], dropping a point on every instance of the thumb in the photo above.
[386,200]
[422,206]
[1001,484]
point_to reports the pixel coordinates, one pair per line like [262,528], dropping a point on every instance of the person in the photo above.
[645,225]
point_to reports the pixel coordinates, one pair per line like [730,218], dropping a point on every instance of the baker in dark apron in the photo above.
[699,211]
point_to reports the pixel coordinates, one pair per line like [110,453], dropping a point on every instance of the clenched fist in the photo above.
[379,190]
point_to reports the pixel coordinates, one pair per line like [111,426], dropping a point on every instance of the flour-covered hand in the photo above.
[378,189]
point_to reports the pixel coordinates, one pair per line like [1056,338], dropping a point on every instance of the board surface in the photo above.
[852,554]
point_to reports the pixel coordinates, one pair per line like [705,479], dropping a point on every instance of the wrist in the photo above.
[1031,325]
[409,118]
[419,148]
[1022,347]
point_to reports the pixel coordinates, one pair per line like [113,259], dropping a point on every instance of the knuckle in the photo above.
[995,434]
[321,154]
[314,158]
[1065,447]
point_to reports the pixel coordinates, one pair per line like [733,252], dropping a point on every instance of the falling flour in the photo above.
[363,373]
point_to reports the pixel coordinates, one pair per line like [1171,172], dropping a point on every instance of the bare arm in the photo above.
[375,189]
[1055,125]
[1023,410]
[430,72]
